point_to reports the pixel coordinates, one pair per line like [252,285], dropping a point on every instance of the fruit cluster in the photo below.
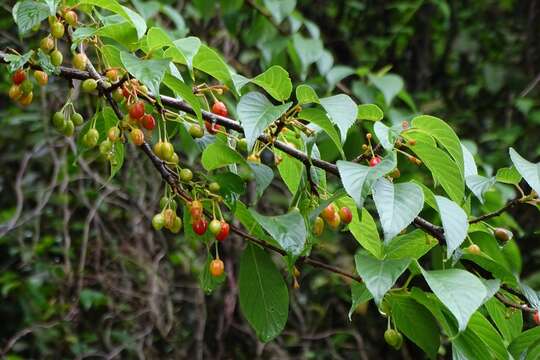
[333,216]
[22,88]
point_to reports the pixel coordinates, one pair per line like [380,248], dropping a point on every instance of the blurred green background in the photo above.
[64,230]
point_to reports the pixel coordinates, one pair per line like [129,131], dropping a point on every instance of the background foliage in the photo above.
[67,236]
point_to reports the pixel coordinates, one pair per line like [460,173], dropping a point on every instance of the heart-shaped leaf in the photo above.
[390,85]
[369,112]
[276,82]
[454,221]
[218,155]
[530,171]
[342,111]
[149,72]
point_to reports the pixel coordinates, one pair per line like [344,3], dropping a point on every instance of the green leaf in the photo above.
[29,14]
[467,345]
[276,82]
[508,175]
[336,74]
[157,38]
[186,93]
[454,221]
[264,299]
[442,167]
[123,33]
[359,295]
[415,322]
[319,118]
[306,95]
[459,290]
[17,61]
[479,185]
[307,50]
[489,336]
[91,298]
[217,155]
[530,171]
[365,232]
[397,205]
[112,5]
[437,309]
[379,275]
[412,245]
[117,159]
[149,72]
[509,322]
[443,133]
[209,61]
[358,179]
[291,170]
[390,85]
[280,9]
[263,177]
[369,112]
[387,135]
[207,281]
[524,341]
[44,61]
[256,113]
[289,230]
[342,111]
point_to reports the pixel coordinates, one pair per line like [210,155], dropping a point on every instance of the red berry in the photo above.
[212,128]
[222,235]
[219,108]
[374,161]
[216,267]
[345,214]
[328,212]
[148,122]
[536,318]
[199,226]
[334,221]
[18,77]
[136,111]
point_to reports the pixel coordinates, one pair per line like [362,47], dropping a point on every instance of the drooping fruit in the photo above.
[148,122]
[168,217]
[254,158]
[536,318]
[58,120]
[174,159]
[167,151]
[211,127]
[15,92]
[137,136]
[242,145]
[89,85]
[217,267]
[335,221]
[374,161]
[214,187]
[57,58]
[158,221]
[328,212]
[219,108]
[136,110]
[46,44]
[177,225]
[214,226]
[71,17]
[474,249]
[503,234]
[76,118]
[26,87]
[393,338]
[26,100]
[105,147]
[199,226]
[69,128]
[112,75]
[186,175]
[196,209]
[79,61]
[224,232]
[318,226]
[196,131]
[91,138]
[345,214]
[113,133]
[41,77]
[118,95]
[57,29]
[18,77]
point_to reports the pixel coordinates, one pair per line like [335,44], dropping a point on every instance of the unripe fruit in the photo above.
[57,58]
[174,159]
[18,77]
[52,19]
[196,131]
[15,92]
[216,267]
[186,175]
[199,226]
[69,128]
[219,108]
[168,217]
[92,137]
[167,150]
[474,249]
[502,234]
[374,161]
[105,147]
[41,77]
[214,187]
[26,87]
[113,133]
[58,120]
[224,232]
[328,212]
[148,122]
[26,99]
[254,158]
[158,149]
[137,136]
[57,29]
[79,61]
[112,75]
[393,338]
[89,85]
[136,110]
[158,221]
[334,222]
[214,226]
[345,215]
[177,225]
[536,318]
[318,226]
[76,118]
[212,128]
[71,17]
[196,209]
[118,95]
[242,145]
[143,89]
[46,44]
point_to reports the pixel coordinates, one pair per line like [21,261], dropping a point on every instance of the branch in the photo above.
[523,307]
[498,212]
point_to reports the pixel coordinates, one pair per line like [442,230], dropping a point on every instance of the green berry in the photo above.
[76,118]
[196,131]
[79,61]
[58,120]
[89,85]
[177,225]
[105,147]
[242,145]
[214,187]
[46,44]
[27,86]
[91,138]
[69,128]
[57,58]
[186,175]
[158,221]
[57,29]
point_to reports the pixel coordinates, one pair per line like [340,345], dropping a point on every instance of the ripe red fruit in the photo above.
[374,161]
[212,128]
[219,108]
[222,235]
[148,122]
[334,222]
[345,214]
[328,212]
[196,209]
[216,267]
[18,77]
[136,111]
[536,318]
[199,226]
